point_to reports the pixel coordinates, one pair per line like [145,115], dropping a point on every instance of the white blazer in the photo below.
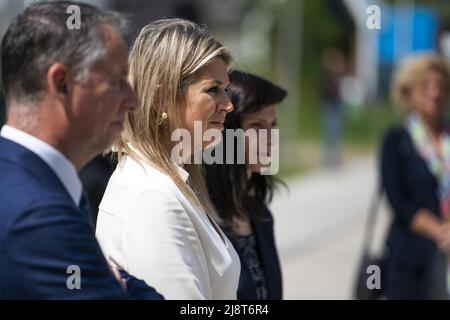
[147,227]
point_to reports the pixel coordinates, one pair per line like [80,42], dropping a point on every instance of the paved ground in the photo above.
[319,227]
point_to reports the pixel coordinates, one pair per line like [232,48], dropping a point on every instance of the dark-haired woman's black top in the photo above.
[265,264]
[416,269]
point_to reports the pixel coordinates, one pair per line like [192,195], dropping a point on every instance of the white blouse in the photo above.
[147,227]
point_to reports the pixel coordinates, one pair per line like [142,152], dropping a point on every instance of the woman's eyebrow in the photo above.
[217,82]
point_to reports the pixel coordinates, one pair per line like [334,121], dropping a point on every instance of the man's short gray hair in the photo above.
[40,37]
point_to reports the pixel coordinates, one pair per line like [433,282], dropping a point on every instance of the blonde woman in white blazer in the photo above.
[156,220]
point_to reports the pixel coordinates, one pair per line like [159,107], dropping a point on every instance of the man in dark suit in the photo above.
[67,97]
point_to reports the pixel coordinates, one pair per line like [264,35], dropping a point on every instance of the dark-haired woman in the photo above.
[242,194]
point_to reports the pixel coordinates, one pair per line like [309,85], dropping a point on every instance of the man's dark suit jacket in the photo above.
[42,233]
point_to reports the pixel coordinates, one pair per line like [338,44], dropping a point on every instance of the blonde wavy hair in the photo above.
[164,59]
[411,72]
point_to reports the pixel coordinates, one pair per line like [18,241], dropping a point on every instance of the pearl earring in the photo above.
[164,116]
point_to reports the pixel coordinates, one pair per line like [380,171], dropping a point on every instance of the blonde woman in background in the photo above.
[415,172]
[156,220]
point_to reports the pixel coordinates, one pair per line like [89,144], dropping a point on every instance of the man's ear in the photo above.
[58,80]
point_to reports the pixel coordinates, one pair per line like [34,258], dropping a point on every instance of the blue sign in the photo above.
[406,30]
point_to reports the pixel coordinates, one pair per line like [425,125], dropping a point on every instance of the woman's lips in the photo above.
[218,124]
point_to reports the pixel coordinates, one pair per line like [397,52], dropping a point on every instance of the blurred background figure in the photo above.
[415,173]
[333,71]
[242,195]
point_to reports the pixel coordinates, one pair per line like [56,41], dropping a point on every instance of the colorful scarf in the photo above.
[439,165]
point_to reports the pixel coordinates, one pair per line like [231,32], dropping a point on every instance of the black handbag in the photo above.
[362,290]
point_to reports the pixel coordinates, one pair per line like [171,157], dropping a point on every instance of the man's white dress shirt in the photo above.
[63,168]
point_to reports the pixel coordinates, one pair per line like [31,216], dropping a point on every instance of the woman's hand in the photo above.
[426,223]
[116,272]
